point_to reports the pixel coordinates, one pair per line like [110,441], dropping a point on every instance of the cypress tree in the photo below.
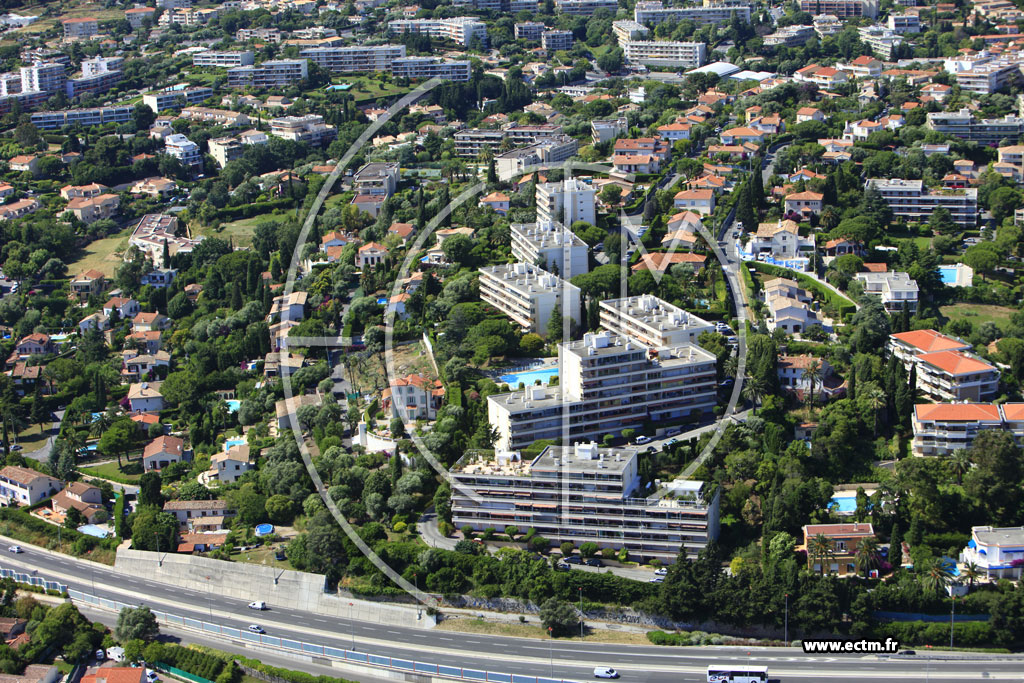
[851,384]
[896,547]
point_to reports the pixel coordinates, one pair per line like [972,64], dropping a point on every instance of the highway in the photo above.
[565,659]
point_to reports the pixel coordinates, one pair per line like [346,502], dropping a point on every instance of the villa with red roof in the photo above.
[413,397]
[843,539]
[498,201]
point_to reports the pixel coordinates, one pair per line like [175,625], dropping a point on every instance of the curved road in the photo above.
[566,659]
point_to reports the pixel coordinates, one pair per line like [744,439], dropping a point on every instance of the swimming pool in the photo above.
[93,530]
[529,377]
[233,404]
[956,275]
[948,274]
[237,441]
[845,504]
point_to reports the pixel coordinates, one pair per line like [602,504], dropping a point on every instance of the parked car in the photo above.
[151,676]
[593,562]
[573,559]
[605,672]
[15,549]
[100,655]
[656,579]
[643,439]
[661,571]
[255,628]
[258,604]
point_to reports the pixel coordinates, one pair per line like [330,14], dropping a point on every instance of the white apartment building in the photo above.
[185,151]
[547,150]
[912,201]
[275,73]
[376,179]
[585,494]
[789,36]
[606,130]
[53,120]
[221,117]
[942,428]
[354,58]
[654,12]
[998,551]
[529,30]
[904,23]
[430,67]
[555,40]
[47,77]
[843,9]
[270,35]
[79,29]
[652,322]
[881,39]
[666,53]
[225,150]
[907,346]
[215,58]
[561,250]
[626,30]
[100,65]
[175,98]
[897,290]
[310,129]
[963,124]
[461,30]
[607,383]
[585,8]
[955,376]
[567,201]
[529,295]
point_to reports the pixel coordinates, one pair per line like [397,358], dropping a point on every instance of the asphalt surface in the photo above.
[565,659]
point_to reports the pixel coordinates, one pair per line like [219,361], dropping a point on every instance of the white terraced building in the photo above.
[607,383]
[567,201]
[651,321]
[655,12]
[431,67]
[461,30]
[528,294]
[563,252]
[942,428]
[911,200]
[585,494]
[354,58]
[217,58]
[997,551]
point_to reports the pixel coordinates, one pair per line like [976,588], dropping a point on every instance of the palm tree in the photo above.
[731,366]
[754,389]
[813,374]
[866,557]
[820,549]
[936,575]
[876,399]
[960,461]
[971,571]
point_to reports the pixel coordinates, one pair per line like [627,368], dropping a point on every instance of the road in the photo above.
[566,659]
[43,454]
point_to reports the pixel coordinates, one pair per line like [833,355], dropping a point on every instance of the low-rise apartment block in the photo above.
[55,120]
[80,29]
[941,428]
[376,179]
[606,130]
[223,59]
[843,9]
[529,30]
[430,67]
[567,201]
[789,36]
[310,129]
[904,23]
[626,30]
[276,73]
[912,201]
[176,98]
[654,12]
[548,150]
[220,117]
[963,124]
[185,151]
[562,250]
[666,53]
[946,371]
[881,39]
[585,8]
[607,383]
[897,291]
[354,58]
[225,150]
[156,229]
[555,40]
[585,494]
[529,295]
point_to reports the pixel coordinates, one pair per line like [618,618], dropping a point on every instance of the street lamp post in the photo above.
[551,656]
[352,624]
[787,620]
[581,612]
[159,562]
[952,611]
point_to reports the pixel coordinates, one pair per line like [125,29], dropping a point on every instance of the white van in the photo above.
[115,654]
[259,604]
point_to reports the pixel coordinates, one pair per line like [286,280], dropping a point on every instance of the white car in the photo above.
[15,549]
[259,604]
[661,571]
[256,628]
[151,676]
[643,439]
[605,672]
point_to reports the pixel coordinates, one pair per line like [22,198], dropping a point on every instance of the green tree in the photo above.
[280,509]
[936,575]
[866,555]
[820,549]
[149,490]
[983,258]
[136,623]
[119,439]
[154,530]
[558,617]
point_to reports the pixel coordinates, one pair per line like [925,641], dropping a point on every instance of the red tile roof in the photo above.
[957,412]
[955,362]
[928,341]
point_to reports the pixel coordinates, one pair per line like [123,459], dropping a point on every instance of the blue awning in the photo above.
[972,544]
[982,552]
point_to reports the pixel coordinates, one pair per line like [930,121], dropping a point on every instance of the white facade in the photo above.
[354,57]
[184,150]
[666,53]
[652,322]
[529,295]
[897,290]
[214,58]
[998,551]
[562,251]
[461,30]
[567,201]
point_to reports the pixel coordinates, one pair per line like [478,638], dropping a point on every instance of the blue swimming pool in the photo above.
[233,404]
[264,529]
[529,377]
[845,503]
[382,301]
[948,274]
[236,441]
[93,530]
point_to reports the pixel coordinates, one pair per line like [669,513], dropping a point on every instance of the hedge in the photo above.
[967,633]
[193,661]
[840,304]
[231,213]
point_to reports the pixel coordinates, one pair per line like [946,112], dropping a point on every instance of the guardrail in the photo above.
[22,577]
[339,654]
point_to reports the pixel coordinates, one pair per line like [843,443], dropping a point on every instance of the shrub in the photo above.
[400,527]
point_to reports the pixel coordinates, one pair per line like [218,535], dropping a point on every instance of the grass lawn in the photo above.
[264,555]
[240,231]
[102,254]
[365,88]
[32,439]
[978,313]
[110,470]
